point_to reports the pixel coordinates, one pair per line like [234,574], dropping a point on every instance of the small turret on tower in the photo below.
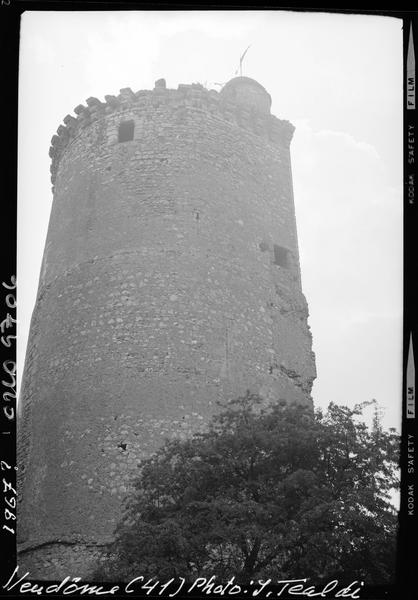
[248,92]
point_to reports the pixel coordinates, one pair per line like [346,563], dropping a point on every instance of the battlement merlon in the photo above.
[242,101]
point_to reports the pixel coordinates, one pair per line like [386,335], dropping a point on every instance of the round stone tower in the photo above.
[170,281]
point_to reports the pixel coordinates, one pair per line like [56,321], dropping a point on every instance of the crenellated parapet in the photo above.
[242,102]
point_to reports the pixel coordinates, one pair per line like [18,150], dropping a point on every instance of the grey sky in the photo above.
[337,78]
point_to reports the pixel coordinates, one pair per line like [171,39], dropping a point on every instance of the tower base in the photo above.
[54,561]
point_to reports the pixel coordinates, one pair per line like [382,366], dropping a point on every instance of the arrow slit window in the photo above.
[281,256]
[126,131]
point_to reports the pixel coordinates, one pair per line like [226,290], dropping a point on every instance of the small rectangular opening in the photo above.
[126,131]
[281,256]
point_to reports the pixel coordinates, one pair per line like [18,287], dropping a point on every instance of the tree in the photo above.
[280,492]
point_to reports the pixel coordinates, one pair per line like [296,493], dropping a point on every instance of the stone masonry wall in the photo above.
[159,295]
